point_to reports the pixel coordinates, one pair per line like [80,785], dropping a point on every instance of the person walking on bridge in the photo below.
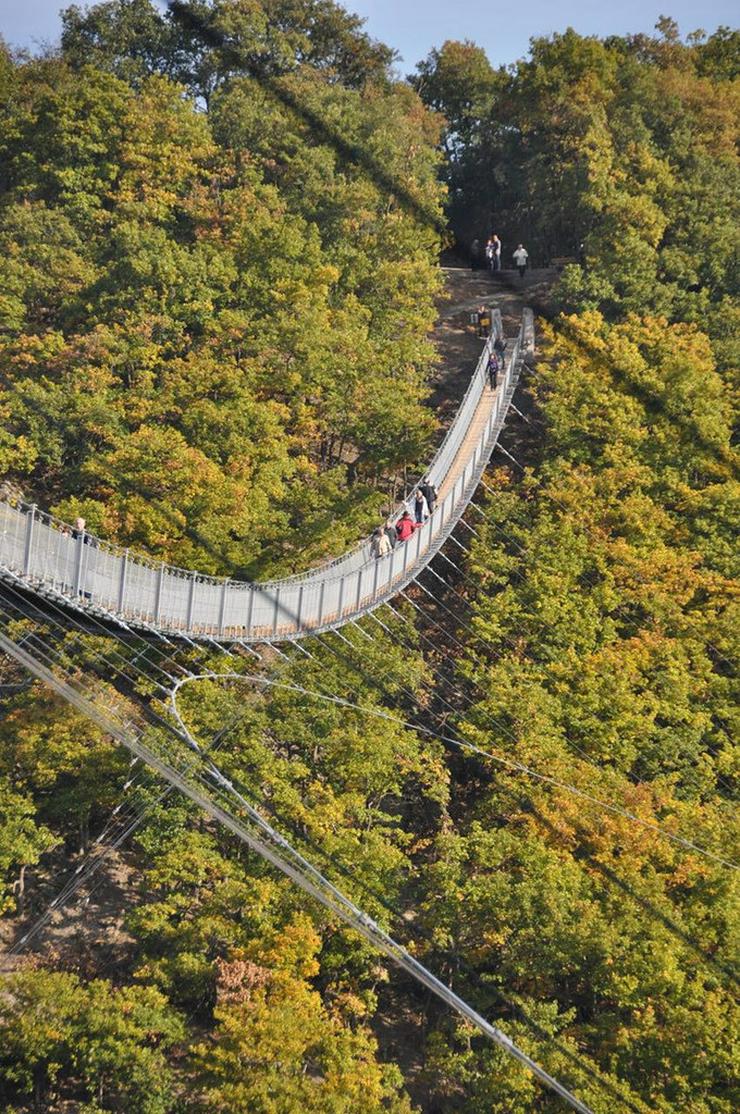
[493,368]
[421,508]
[405,527]
[390,532]
[380,545]
[429,491]
[521,255]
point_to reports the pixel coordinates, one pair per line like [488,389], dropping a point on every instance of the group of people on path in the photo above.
[418,509]
[493,253]
[490,257]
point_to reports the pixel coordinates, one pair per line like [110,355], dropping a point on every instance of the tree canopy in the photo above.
[215,345]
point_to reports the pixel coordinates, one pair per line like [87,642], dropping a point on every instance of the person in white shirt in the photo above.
[521,255]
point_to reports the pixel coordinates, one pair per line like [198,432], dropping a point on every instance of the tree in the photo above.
[277,1047]
[22,841]
[89,1040]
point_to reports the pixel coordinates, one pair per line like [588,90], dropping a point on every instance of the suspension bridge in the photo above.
[53,559]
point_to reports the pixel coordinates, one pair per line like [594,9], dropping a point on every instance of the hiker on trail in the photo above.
[79,529]
[493,369]
[405,527]
[390,532]
[429,491]
[380,545]
[499,347]
[475,255]
[490,252]
[521,255]
[421,508]
[484,322]
[496,261]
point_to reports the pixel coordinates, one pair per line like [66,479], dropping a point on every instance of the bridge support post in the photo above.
[30,522]
[158,593]
[275,612]
[80,556]
[122,582]
[191,604]
[321,603]
[222,608]
[250,608]
[340,603]
[299,609]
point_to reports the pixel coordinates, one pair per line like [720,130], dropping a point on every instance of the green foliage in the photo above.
[132,39]
[353,791]
[212,326]
[22,840]
[603,629]
[65,1037]
[213,345]
[276,1046]
[65,762]
[618,152]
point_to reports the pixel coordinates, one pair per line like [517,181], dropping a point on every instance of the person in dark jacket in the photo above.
[405,527]
[493,368]
[429,491]
[390,532]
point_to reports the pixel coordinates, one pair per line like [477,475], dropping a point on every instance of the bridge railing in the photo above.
[52,557]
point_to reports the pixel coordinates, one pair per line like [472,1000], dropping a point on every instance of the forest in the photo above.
[221,228]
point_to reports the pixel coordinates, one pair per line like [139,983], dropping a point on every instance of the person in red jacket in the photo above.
[405,527]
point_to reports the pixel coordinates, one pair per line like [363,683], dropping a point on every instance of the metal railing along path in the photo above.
[90,574]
